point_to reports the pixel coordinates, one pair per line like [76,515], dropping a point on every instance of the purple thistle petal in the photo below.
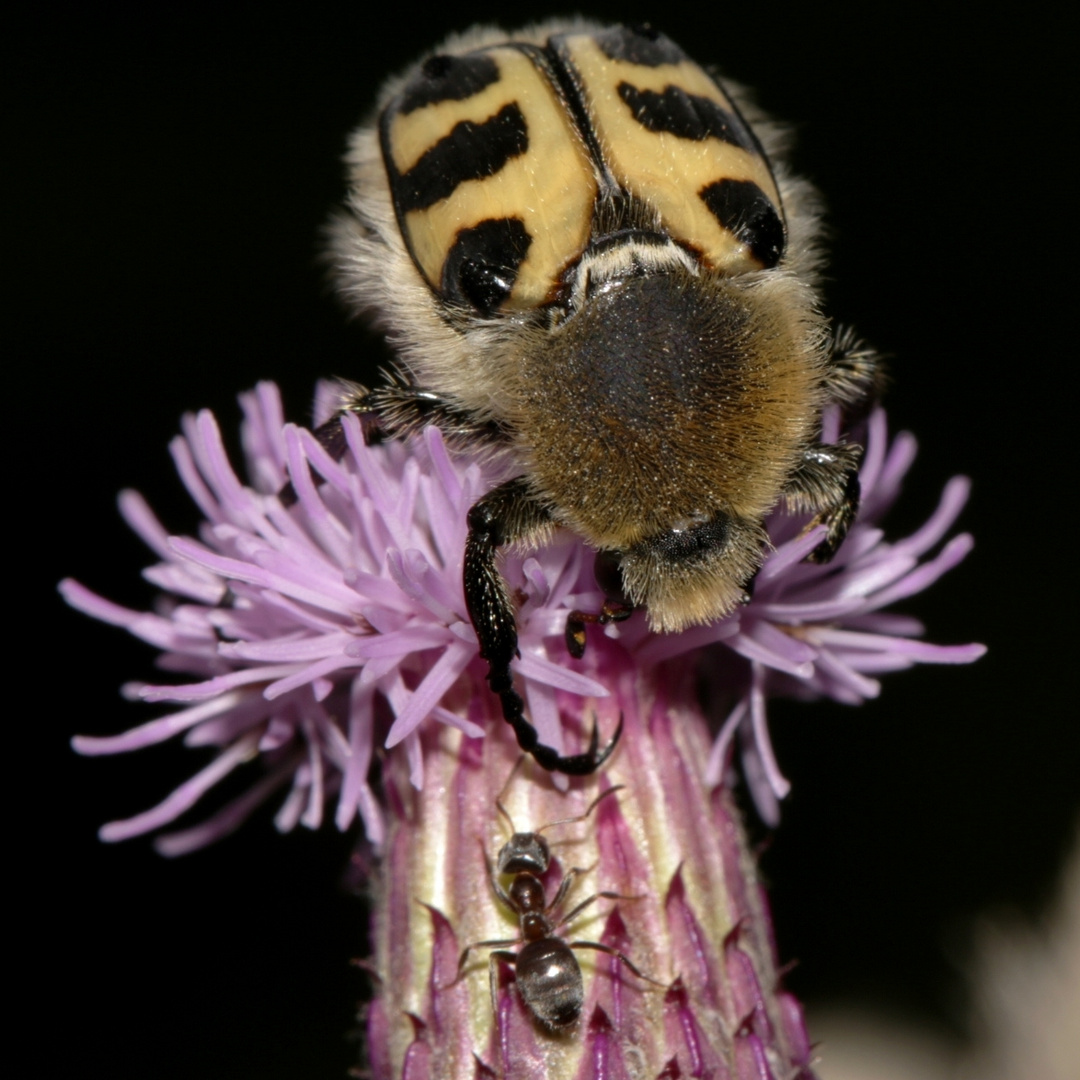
[657,648]
[544,713]
[924,575]
[218,685]
[899,460]
[184,797]
[714,769]
[142,521]
[290,649]
[89,603]
[790,553]
[357,588]
[263,419]
[776,781]
[922,651]
[539,669]
[875,455]
[309,674]
[399,643]
[757,651]
[227,820]
[887,623]
[857,686]
[184,460]
[440,677]
[953,499]
[156,731]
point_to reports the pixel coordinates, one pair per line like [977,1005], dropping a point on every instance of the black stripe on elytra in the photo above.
[688,116]
[639,44]
[745,210]
[482,266]
[469,152]
[448,78]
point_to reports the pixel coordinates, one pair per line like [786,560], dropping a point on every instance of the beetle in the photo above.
[591,258]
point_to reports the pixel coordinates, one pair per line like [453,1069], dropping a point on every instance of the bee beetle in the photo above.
[587,259]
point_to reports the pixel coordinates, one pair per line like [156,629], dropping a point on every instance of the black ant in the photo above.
[548,974]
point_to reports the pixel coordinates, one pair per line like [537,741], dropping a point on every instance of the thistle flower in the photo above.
[321,634]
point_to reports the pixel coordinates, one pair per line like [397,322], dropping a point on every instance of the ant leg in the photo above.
[564,886]
[479,945]
[619,955]
[493,974]
[592,900]
[826,483]
[493,877]
[511,514]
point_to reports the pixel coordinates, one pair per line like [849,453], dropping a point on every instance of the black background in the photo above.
[172,169]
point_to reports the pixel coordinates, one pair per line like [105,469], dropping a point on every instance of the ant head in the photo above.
[524,852]
[528,852]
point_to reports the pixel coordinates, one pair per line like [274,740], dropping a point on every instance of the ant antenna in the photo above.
[502,794]
[551,824]
[581,817]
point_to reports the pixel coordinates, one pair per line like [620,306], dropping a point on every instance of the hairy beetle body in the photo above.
[590,257]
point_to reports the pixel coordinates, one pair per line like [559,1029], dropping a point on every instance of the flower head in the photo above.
[316,634]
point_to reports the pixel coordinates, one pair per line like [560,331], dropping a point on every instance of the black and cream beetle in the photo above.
[591,258]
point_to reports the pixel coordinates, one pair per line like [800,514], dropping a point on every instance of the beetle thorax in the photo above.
[668,396]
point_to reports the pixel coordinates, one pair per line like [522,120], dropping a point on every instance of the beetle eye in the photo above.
[607,569]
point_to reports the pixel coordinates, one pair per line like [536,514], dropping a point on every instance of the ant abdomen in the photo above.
[549,981]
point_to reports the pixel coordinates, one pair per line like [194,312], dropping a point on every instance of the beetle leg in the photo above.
[856,373]
[511,514]
[826,484]
[396,410]
[612,611]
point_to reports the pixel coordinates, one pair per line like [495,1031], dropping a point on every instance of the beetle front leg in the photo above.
[826,484]
[511,514]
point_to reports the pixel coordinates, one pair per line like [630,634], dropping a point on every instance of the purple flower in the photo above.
[317,634]
[314,637]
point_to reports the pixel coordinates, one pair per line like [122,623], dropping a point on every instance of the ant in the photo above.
[548,974]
